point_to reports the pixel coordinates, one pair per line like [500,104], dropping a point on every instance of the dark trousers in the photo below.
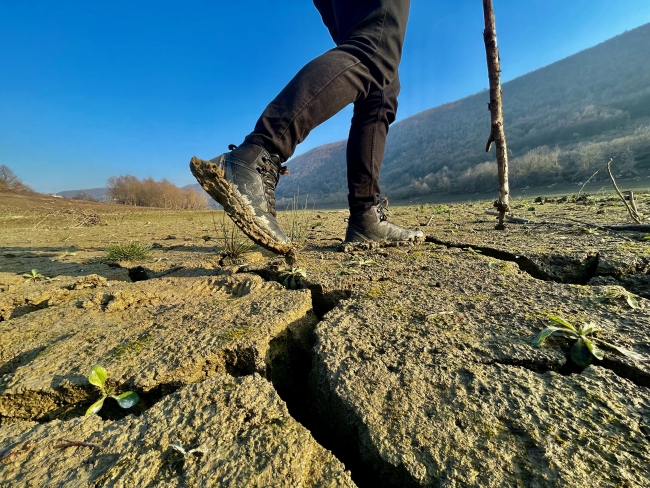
[361,69]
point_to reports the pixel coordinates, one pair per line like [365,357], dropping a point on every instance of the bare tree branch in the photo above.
[633,214]
[497,133]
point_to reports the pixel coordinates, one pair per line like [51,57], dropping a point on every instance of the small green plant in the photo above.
[646,238]
[133,251]
[586,345]
[622,295]
[98,377]
[289,277]
[472,251]
[440,209]
[33,276]
[234,242]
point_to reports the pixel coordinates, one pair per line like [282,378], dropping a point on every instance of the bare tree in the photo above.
[497,134]
[9,180]
[147,192]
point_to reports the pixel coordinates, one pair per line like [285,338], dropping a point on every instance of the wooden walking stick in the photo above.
[497,134]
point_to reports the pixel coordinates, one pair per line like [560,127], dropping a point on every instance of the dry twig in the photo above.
[18,449]
[633,214]
[68,443]
[585,184]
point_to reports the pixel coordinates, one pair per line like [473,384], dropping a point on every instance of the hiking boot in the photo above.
[373,225]
[253,185]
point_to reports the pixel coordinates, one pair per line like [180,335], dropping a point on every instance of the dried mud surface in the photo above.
[241,424]
[409,365]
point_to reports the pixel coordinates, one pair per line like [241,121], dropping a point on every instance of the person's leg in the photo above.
[366,144]
[370,34]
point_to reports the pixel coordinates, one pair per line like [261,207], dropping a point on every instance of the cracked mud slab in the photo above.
[152,337]
[573,253]
[429,368]
[250,439]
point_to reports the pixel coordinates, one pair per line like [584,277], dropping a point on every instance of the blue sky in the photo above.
[94,89]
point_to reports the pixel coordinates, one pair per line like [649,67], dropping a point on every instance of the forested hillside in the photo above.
[563,121]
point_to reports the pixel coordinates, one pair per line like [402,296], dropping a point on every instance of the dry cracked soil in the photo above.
[376,365]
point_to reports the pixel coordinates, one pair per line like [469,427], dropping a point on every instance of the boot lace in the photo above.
[382,209]
[270,170]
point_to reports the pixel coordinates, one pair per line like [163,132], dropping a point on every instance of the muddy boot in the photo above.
[373,225]
[253,185]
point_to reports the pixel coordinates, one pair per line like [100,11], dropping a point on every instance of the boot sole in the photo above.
[213,180]
[357,237]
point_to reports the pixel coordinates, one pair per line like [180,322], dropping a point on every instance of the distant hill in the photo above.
[563,122]
[99,194]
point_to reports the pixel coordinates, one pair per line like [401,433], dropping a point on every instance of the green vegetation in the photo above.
[345,269]
[98,377]
[234,242]
[289,277]
[629,298]
[586,345]
[33,276]
[133,251]
[131,347]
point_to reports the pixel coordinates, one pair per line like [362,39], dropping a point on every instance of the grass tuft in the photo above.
[133,251]
[235,243]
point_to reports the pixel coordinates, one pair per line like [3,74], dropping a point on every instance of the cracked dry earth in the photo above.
[412,367]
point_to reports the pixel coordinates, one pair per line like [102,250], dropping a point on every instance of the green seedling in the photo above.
[586,346]
[622,295]
[646,238]
[33,276]
[471,250]
[289,277]
[133,251]
[98,377]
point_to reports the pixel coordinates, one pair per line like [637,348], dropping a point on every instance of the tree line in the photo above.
[147,192]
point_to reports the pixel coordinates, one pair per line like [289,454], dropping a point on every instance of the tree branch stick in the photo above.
[585,184]
[497,133]
[632,213]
